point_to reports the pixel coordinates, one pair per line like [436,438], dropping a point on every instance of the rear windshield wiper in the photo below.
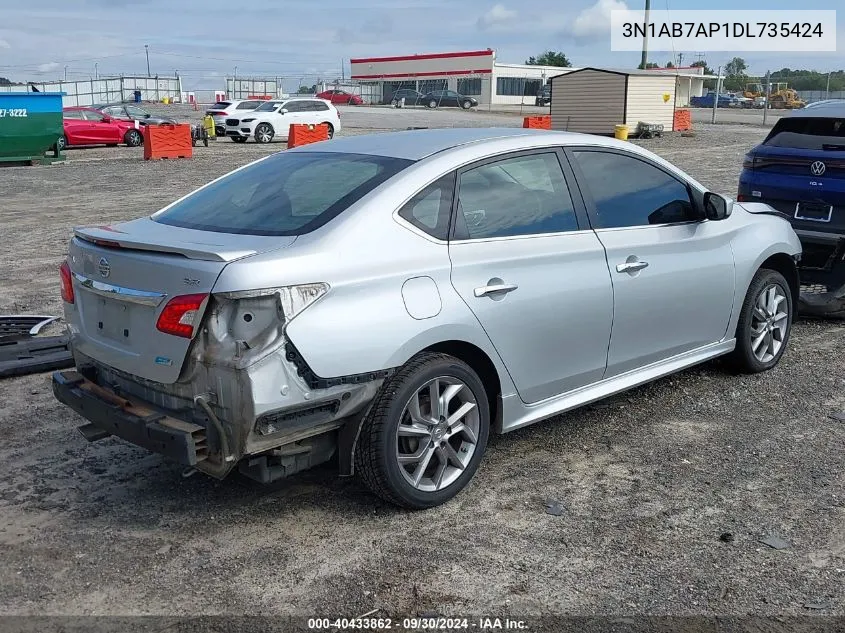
[830,147]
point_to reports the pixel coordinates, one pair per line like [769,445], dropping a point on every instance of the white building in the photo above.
[472,73]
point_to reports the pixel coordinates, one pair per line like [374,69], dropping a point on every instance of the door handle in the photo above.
[631,267]
[483,291]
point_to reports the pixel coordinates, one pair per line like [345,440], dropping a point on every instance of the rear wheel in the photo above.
[264,133]
[61,144]
[330,129]
[432,104]
[133,138]
[466,105]
[425,434]
[765,322]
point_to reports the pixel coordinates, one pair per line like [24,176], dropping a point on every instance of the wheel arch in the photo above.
[786,266]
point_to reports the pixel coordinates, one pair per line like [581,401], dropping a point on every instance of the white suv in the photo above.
[274,118]
[221,110]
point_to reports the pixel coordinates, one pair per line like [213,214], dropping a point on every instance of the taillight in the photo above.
[749,161]
[67,283]
[741,198]
[180,314]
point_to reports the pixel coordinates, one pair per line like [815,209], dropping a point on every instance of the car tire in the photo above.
[765,323]
[466,105]
[394,451]
[61,144]
[264,133]
[133,138]
[330,129]
[239,139]
[432,104]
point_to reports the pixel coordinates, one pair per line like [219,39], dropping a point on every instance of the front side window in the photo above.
[524,195]
[72,114]
[289,193]
[431,208]
[630,192]
[269,106]
[136,112]
[90,115]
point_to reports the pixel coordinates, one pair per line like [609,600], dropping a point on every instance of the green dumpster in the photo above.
[30,125]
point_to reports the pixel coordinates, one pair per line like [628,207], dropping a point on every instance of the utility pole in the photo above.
[716,96]
[827,90]
[680,59]
[147,51]
[342,70]
[66,72]
[768,92]
[96,72]
[644,61]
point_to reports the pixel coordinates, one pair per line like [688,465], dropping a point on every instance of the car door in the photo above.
[672,271]
[296,113]
[534,275]
[75,127]
[100,131]
[452,98]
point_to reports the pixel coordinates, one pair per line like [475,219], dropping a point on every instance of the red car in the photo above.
[86,126]
[341,96]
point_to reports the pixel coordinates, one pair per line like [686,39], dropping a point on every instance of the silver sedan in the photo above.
[390,300]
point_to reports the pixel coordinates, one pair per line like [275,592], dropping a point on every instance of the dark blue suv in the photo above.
[799,169]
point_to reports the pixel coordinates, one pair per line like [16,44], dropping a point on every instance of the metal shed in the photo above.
[594,100]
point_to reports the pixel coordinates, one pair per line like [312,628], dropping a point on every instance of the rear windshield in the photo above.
[289,193]
[815,133]
[220,105]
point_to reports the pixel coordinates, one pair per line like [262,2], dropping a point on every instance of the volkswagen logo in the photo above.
[817,168]
[104,267]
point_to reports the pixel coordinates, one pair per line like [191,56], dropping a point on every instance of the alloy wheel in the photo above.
[437,433]
[769,323]
[263,134]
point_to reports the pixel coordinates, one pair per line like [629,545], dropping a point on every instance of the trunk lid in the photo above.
[124,275]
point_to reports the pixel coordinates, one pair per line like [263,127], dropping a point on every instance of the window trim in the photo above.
[590,204]
[579,209]
[453,176]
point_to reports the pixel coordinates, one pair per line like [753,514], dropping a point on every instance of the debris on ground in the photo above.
[817,606]
[33,355]
[840,416]
[555,508]
[18,326]
[726,537]
[776,542]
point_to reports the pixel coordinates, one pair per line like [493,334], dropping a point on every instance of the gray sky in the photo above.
[302,40]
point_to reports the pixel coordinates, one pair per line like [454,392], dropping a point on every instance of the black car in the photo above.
[131,112]
[544,96]
[412,97]
[447,98]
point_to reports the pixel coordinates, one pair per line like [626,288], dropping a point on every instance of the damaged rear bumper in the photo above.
[822,274]
[109,414]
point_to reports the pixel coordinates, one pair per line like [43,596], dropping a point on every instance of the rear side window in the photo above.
[524,195]
[431,208]
[289,193]
[72,114]
[814,133]
[630,192]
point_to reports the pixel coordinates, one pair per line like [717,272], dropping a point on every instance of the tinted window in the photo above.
[138,112]
[269,106]
[288,193]
[114,111]
[430,209]
[319,106]
[247,105]
[72,114]
[93,116]
[818,133]
[295,106]
[630,192]
[524,195]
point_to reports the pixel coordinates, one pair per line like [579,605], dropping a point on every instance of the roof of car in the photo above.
[418,144]
[830,109]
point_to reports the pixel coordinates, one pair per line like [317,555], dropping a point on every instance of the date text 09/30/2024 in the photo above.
[418,623]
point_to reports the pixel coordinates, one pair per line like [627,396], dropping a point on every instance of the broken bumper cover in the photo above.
[109,414]
[822,273]
[829,304]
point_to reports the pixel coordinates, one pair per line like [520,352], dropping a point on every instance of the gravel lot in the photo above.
[649,480]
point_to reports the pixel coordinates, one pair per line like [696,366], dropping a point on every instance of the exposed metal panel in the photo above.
[588,101]
[646,100]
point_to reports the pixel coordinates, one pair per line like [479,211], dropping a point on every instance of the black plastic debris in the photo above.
[726,537]
[555,508]
[18,326]
[775,542]
[817,606]
[34,354]
[839,417]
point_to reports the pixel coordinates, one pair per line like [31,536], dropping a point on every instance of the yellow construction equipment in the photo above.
[753,90]
[785,97]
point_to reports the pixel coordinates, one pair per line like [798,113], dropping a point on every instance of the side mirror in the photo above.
[283,111]
[716,207]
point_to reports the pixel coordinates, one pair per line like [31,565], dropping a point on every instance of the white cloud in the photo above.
[595,20]
[46,68]
[499,15]
[5,44]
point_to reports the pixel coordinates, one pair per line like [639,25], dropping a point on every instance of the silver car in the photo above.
[391,299]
